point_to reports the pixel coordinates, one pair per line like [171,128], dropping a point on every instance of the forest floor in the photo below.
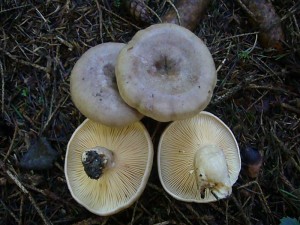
[257,96]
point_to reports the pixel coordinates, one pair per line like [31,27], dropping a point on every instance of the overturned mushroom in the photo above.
[166,72]
[198,159]
[107,168]
[94,89]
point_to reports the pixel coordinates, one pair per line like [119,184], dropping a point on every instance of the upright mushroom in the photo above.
[198,159]
[166,72]
[107,168]
[94,89]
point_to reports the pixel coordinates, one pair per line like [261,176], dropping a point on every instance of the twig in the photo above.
[119,17]
[236,36]
[2,87]
[133,214]
[271,88]
[246,9]
[155,187]
[21,61]
[62,101]
[257,100]
[296,165]
[201,218]
[64,42]
[290,108]
[14,8]
[231,92]
[10,212]
[24,190]
[162,223]
[222,212]
[245,217]
[175,9]
[182,214]
[100,20]
[286,181]
[11,143]
[261,197]
[92,221]
[21,209]
[225,59]
[154,13]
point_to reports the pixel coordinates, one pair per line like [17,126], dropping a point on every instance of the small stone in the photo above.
[40,155]
[252,161]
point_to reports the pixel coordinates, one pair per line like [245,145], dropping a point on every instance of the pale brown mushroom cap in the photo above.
[123,182]
[94,89]
[202,136]
[166,72]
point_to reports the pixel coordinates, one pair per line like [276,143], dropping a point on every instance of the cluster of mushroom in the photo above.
[167,73]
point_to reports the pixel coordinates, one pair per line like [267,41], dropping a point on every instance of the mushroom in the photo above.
[107,168]
[166,72]
[198,159]
[94,89]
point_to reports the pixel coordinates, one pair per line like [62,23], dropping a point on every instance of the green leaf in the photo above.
[289,221]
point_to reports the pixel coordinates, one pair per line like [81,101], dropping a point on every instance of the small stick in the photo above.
[222,212]
[100,20]
[154,13]
[290,108]
[133,214]
[61,102]
[119,17]
[14,8]
[162,223]
[246,219]
[197,215]
[21,209]
[11,143]
[186,13]
[261,197]
[24,190]
[2,86]
[231,92]
[177,13]
[10,212]
[21,61]
[182,214]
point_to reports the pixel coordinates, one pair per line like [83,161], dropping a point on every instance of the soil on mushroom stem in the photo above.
[257,96]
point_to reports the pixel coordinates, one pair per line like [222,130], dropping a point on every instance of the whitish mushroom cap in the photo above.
[94,89]
[198,159]
[166,72]
[122,183]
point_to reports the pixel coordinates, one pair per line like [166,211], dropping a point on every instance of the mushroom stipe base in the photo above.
[96,160]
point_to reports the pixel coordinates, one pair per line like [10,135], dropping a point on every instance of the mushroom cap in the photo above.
[120,185]
[181,142]
[166,72]
[94,89]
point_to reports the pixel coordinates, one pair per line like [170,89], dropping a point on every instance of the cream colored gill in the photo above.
[177,150]
[120,185]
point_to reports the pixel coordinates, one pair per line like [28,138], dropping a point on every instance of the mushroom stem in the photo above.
[212,172]
[96,160]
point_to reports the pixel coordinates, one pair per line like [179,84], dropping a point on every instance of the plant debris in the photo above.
[186,13]
[263,16]
[139,10]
